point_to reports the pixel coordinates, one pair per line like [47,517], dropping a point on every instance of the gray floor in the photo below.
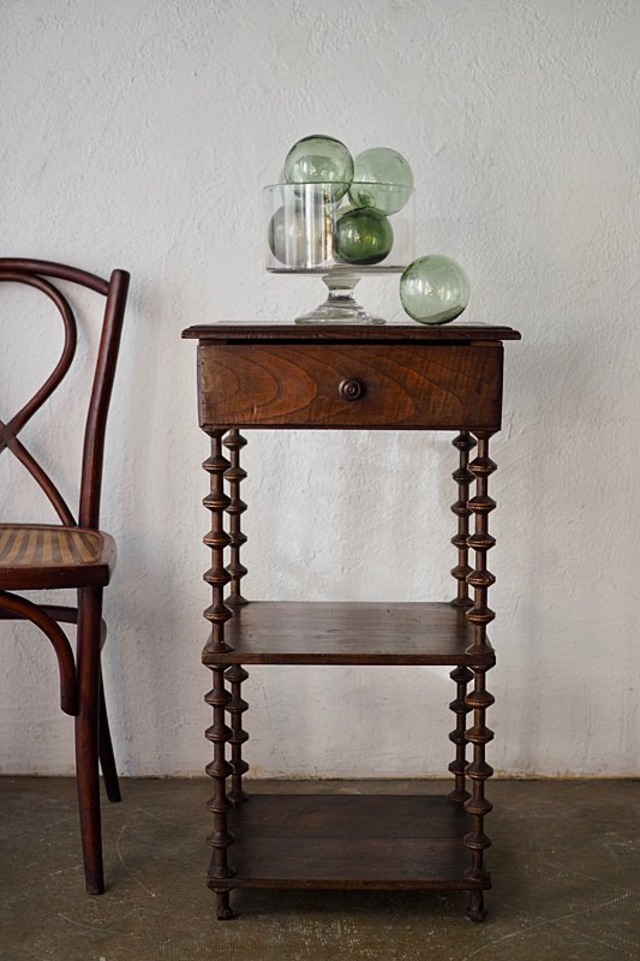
[565,864]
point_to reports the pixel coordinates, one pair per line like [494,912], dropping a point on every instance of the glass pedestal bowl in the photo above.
[337,231]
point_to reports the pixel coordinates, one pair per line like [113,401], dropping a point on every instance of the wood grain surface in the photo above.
[403,386]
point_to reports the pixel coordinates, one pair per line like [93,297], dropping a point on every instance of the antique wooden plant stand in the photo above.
[346,378]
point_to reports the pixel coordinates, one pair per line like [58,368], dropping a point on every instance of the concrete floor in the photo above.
[565,864]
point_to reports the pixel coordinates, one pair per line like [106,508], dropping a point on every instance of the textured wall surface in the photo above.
[138,133]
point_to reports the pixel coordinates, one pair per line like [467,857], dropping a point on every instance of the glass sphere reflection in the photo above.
[383,179]
[319,159]
[363,237]
[434,289]
[297,240]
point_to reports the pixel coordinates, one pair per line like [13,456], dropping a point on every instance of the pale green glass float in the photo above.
[382,178]
[310,231]
[320,160]
[434,289]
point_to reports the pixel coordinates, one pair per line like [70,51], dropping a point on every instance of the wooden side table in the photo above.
[349,378]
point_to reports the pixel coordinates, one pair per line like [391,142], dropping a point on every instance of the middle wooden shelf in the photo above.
[296,632]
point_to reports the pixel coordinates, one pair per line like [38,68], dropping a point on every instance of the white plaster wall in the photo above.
[138,133]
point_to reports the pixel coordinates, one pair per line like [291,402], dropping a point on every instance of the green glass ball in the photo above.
[363,237]
[382,179]
[434,289]
[320,160]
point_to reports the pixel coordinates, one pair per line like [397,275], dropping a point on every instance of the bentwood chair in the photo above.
[74,553]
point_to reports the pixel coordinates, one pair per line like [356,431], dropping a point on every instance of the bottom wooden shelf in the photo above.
[349,841]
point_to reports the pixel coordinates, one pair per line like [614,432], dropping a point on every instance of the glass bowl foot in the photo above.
[340,307]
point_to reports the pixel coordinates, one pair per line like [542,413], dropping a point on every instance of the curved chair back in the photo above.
[39,274]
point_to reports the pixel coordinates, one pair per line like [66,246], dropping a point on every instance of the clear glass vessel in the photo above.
[309,231]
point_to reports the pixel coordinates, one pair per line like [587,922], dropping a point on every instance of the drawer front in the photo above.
[317,385]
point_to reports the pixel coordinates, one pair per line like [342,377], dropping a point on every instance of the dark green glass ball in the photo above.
[363,237]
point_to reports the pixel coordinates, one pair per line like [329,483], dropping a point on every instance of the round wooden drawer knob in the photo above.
[351,388]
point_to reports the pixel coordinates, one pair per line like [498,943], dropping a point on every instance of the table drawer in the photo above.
[350,385]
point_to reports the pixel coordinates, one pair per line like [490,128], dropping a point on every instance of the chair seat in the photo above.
[47,556]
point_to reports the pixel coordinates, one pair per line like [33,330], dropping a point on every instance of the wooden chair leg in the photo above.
[107,759]
[87,774]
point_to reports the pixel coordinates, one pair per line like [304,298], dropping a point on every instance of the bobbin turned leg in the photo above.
[236,707]
[236,674]
[461,675]
[234,475]
[479,699]
[218,698]
[478,771]
[219,770]
[464,443]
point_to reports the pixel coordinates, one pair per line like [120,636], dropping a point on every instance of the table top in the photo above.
[241,332]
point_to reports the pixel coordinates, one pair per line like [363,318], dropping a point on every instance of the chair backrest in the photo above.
[39,275]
